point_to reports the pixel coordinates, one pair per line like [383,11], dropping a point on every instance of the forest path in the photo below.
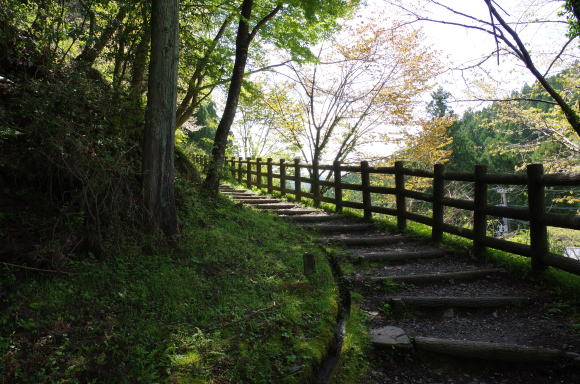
[438,315]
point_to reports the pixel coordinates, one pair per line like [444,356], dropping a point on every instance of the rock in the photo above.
[390,337]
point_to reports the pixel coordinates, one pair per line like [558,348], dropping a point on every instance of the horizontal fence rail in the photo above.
[289,178]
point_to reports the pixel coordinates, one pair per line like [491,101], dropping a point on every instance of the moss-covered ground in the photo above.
[229,304]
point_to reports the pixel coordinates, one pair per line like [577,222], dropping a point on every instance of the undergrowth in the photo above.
[231,305]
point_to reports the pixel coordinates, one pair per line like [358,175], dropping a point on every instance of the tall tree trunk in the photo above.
[159,147]
[219,148]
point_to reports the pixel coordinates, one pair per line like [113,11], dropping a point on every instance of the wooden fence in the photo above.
[259,173]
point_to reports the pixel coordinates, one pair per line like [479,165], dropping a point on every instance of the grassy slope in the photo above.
[231,307]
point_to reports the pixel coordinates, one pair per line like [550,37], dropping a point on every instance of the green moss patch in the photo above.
[230,306]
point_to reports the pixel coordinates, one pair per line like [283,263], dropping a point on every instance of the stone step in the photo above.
[313,218]
[375,240]
[397,255]
[401,302]
[437,276]
[395,338]
[339,228]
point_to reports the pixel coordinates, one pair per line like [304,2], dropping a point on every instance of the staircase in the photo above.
[438,315]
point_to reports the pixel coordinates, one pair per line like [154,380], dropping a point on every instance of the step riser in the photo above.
[397,257]
[284,212]
[274,207]
[484,351]
[434,278]
[362,241]
[311,219]
[331,229]
[467,303]
[257,201]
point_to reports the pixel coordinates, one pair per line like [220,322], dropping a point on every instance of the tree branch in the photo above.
[264,20]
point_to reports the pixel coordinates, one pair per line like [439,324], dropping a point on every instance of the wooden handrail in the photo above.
[535,181]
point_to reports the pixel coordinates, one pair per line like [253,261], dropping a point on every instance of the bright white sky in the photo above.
[460,47]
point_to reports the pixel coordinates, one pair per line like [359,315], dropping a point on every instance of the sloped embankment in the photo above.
[231,305]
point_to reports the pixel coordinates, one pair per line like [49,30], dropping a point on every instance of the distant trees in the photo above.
[508,40]
[363,80]
[287,25]
[254,131]
[508,135]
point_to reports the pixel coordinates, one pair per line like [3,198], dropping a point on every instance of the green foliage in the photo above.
[495,138]
[231,306]
[206,121]
[438,106]
[304,22]
[70,163]
[572,11]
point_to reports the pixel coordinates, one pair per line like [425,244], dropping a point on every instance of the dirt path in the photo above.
[440,316]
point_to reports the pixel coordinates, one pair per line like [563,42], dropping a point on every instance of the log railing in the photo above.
[288,178]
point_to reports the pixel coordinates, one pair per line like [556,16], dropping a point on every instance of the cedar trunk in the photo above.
[159,147]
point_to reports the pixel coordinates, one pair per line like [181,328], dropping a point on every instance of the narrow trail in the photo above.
[438,315]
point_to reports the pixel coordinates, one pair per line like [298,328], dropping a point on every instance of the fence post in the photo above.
[366,193]
[282,177]
[438,194]
[269,174]
[479,216]
[233,167]
[248,172]
[297,182]
[399,195]
[337,186]
[240,169]
[537,207]
[315,186]
[259,172]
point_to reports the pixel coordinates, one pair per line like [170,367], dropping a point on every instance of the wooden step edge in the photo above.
[397,256]
[248,197]
[434,277]
[274,206]
[258,201]
[395,338]
[456,301]
[256,198]
[339,227]
[312,218]
[379,240]
[293,212]
[493,351]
